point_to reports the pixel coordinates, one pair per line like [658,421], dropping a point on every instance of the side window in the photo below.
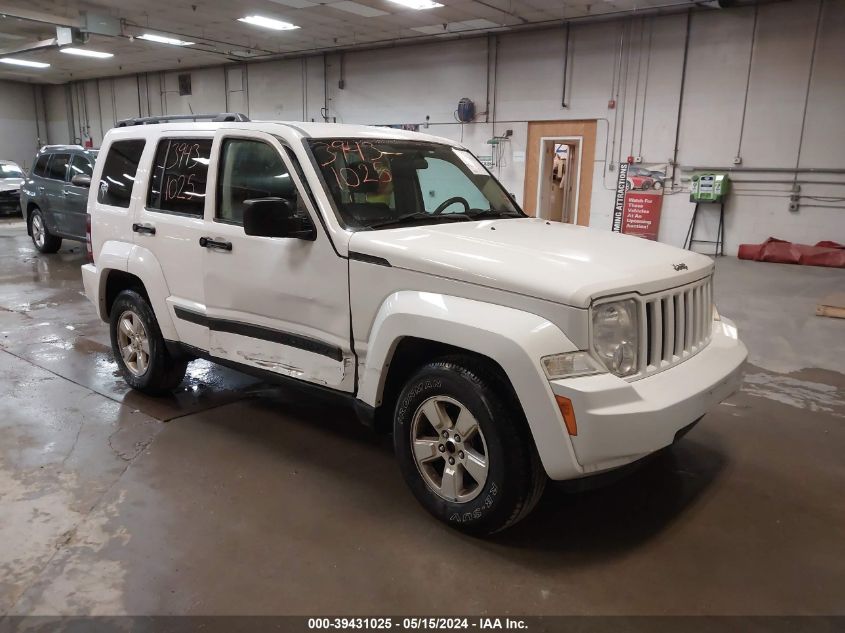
[248,170]
[442,180]
[40,168]
[79,166]
[57,169]
[115,188]
[180,171]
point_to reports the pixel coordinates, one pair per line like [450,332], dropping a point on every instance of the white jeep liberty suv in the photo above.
[392,270]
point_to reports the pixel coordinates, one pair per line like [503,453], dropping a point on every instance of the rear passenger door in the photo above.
[35,184]
[54,208]
[277,304]
[170,225]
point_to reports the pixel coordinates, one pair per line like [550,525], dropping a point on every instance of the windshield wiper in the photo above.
[415,217]
[489,213]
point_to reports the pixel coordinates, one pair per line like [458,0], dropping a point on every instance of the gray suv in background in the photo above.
[54,198]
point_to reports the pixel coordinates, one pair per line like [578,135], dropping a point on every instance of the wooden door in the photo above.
[538,130]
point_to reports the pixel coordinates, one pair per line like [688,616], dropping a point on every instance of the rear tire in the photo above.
[41,237]
[464,447]
[139,348]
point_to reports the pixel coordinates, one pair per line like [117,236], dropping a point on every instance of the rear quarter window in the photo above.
[115,186]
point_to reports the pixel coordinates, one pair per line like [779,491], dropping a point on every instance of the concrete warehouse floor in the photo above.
[232,497]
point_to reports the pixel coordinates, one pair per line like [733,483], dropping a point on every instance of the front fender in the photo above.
[514,339]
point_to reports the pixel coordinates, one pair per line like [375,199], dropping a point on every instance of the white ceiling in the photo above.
[219,37]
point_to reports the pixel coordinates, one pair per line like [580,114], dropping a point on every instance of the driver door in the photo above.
[277,304]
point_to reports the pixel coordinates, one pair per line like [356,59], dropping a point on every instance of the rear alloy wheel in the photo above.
[139,348]
[133,343]
[44,242]
[464,446]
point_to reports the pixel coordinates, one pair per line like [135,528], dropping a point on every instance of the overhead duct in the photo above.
[68,36]
[100,24]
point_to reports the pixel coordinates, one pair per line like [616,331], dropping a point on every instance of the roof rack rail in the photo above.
[220,117]
[61,146]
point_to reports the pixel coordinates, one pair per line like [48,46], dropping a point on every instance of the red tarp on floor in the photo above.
[824,253]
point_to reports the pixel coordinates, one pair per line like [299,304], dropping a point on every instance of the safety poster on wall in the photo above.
[639,200]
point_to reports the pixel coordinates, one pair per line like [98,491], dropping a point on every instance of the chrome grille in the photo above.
[674,325]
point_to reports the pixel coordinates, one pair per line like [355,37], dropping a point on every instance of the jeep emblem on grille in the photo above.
[680,266]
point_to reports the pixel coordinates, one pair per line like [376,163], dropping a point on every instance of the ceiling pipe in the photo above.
[768,170]
[37,16]
[32,46]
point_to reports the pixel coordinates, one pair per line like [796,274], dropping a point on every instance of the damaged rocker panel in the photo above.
[263,333]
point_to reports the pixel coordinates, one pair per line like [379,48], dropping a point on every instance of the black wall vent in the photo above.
[185,85]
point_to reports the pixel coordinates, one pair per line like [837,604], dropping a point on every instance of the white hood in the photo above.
[548,260]
[7,184]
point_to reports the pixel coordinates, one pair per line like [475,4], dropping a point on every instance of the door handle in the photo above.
[149,229]
[207,242]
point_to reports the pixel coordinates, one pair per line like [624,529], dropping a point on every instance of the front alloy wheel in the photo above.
[449,449]
[464,446]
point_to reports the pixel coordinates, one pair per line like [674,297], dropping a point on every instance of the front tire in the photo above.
[140,349]
[41,237]
[464,447]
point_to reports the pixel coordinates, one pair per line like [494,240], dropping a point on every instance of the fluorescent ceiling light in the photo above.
[296,4]
[23,62]
[85,52]
[163,40]
[268,23]
[418,4]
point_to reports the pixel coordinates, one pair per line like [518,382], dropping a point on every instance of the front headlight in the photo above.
[616,335]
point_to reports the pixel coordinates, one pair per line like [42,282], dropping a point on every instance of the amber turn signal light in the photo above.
[568,412]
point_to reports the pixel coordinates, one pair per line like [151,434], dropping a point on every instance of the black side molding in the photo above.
[263,333]
[369,259]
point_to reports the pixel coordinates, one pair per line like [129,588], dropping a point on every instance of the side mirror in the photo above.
[81,180]
[276,217]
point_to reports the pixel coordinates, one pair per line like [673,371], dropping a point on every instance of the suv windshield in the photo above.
[387,183]
[10,171]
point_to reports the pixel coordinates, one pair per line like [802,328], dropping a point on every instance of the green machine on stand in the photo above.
[708,189]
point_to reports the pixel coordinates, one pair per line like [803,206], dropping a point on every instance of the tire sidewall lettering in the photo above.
[469,512]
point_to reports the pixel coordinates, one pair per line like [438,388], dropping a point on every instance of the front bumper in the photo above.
[620,421]
[10,200]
